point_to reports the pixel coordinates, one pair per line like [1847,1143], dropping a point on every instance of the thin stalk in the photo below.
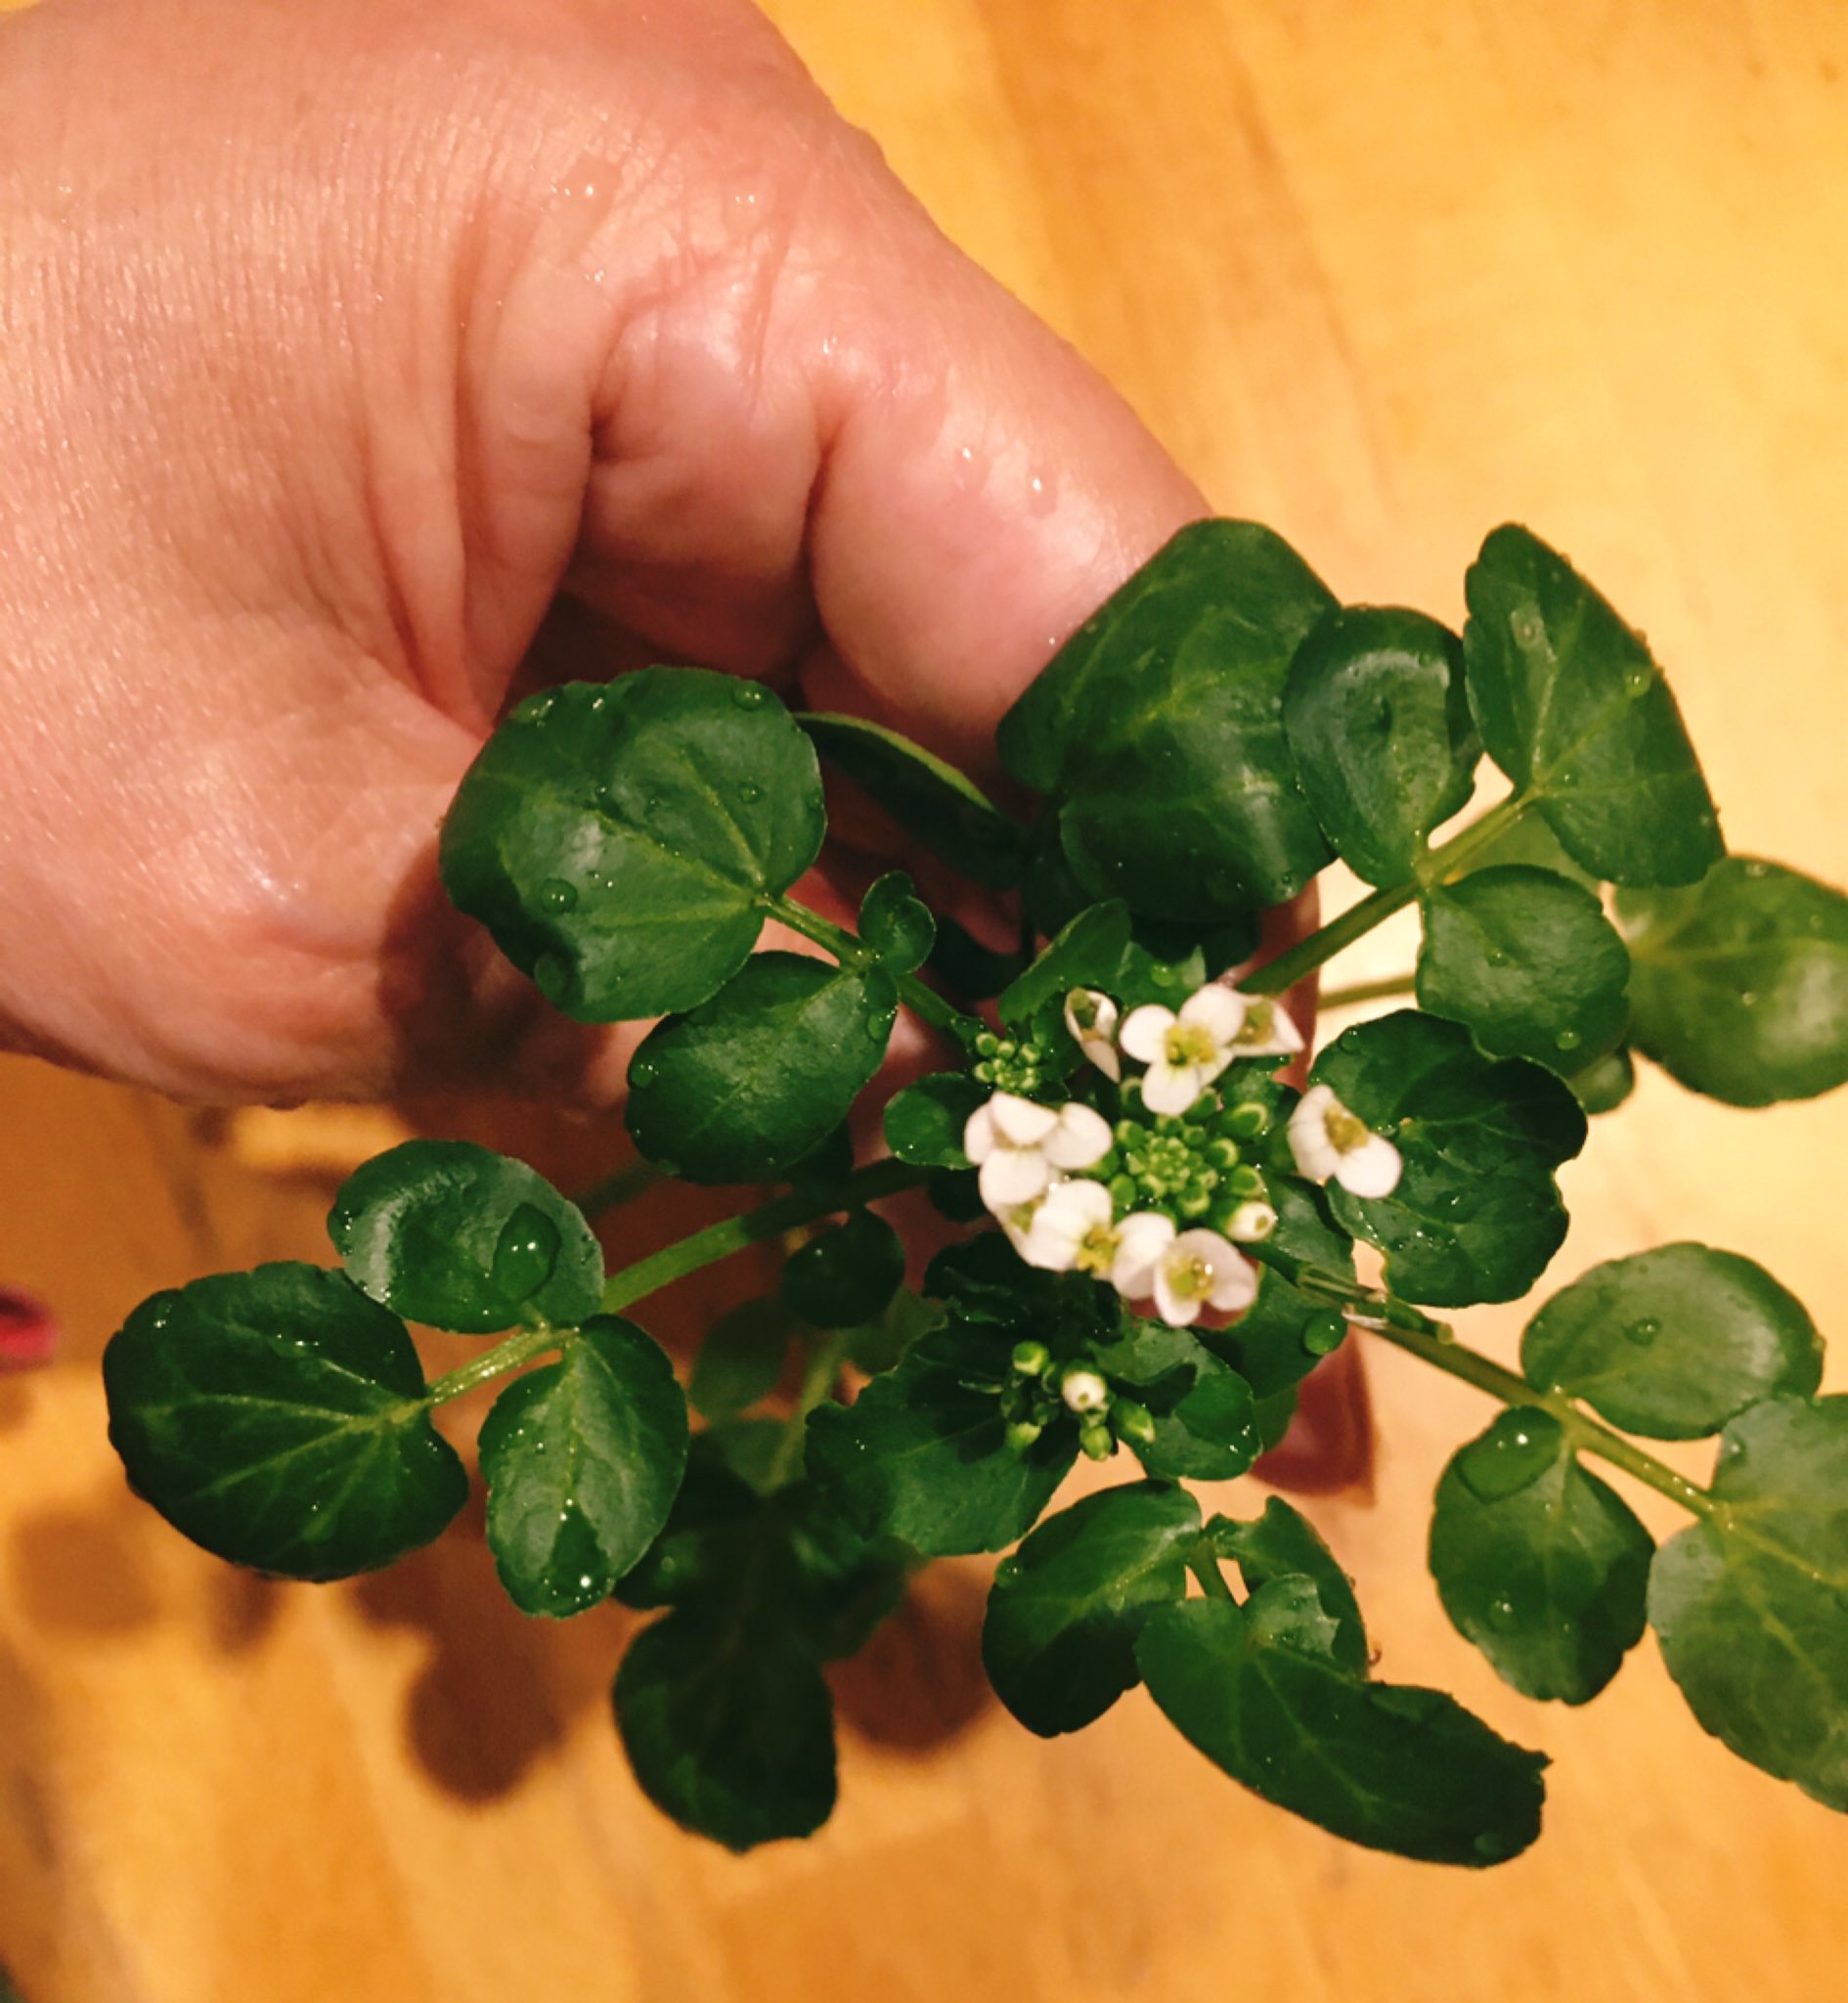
[819,1380]
[923,1002]
[770,1220]
[622,1185]
[1367,991]
[1435,866]
[510,1353]
[1204,1563]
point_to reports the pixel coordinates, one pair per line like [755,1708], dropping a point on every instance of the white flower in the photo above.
[1267,1030]
[1141,1240]
[1019,1146]
[1072,1228]
[1327,1139]
[1249,1223]
[1184,1052]
[1201,1270]
[1090,1019]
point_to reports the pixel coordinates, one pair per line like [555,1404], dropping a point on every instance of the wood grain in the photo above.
[1380,274]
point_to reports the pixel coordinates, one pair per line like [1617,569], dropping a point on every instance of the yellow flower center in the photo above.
[1187,1042]
[1190,1279]
[1097,1248]
[1344,1131]
[1256,1028]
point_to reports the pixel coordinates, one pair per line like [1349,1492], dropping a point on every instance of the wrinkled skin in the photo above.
[369,359]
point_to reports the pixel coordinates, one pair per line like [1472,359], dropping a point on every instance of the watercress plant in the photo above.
[1174,1225]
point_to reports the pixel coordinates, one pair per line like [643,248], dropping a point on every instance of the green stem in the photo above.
[510,1353]
[923,1002]
[1435,866]
[1367,991]
[1203,1561]
[1410,1329]
[752,1226]
[819,1380]
[622,1185]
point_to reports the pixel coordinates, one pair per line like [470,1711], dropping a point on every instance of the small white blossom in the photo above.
[1141,1239]
[1020,1148]
[1201,1270]
[1327,1139]
[1084,1391]
[1072,1228]
[1251,1222]
[1184,1052]
[1267,1030]
[1090,1019]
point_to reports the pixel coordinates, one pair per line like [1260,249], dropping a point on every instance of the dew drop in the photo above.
[1748,1000]
[1526,626]
[1638,678]
[1567,1039]
[750,792]
[1753,869]
[524,1254]
[552,977]
[536,708]
[1515,1451]
[556,895]
[1497,957]
[1501,1616]
[878,1029]
[160,1307]
[1644,1331]
[1323,1334]
[643,1071]
[748,695]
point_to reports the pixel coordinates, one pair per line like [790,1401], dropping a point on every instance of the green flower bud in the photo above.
[1248,1120]
[1244,1180]
[1098,1441]
[1022,1434]
[1030,1358]
[1223,1153]
[987,1043]
[1132,1422]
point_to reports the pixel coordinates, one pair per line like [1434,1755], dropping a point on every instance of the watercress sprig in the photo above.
[1173,1222]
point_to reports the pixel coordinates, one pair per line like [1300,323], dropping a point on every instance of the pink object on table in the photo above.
[28,1330]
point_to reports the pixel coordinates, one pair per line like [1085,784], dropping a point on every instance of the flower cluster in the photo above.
[1157,1203]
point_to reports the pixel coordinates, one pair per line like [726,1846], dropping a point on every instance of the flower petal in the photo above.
[1251,1223]
[1019,1122]
[1079,1137]
[1144,1033]
[1012,1176]
[1078,1205]
[1217,1010]
[978,1139]
[1279,1035]
[1174,1311]
[1372,1169]
[1170,1088]
[1316,1155]
[1141,1240]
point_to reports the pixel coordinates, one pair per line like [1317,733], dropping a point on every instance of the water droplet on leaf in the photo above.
[1323,1334]
[643,1071]
[748,695]
[1515,1451]
[750,792]
[1567,1039]
[524,1254]
[556,895]
[1642,1332]
[1501,1616]
[552,977]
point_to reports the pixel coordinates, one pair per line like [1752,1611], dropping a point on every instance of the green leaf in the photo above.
[741,1359]
[1751,1605]
[1378,721]
[934,803]
[1529,840]
[897,924]
[1741,984]
[922,1454]
[1158,730]
[1527,962]
[1265,1345]
[458,1236]
[1672,1343]
[1475,1215]
[1575,712]
[276,1417]
[1059,1639]
[1392,1766]
[744,1085]
[847,1274]
[905,1319]
[709,1539]
[1603,1087]
[925,1122]
[620,842]
[1282,1543]
[728,1726]
[583,1458]
[1089,953]
[1206,1419]
[1538,1563]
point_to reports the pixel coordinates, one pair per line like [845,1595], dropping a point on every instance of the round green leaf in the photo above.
[1741,984]
[1751,1605]
[1282,1543]
[1475,1215]
[621,842]
[1672,1343]
[581,1459]
[1603,1087]
[1259,1691]
[741,1359]
[1059,1638]
[1527,962]
[896,923]
[1205,1418]
[1158,730]
[746,1085]
[847,1274]
[276,1417]
[925,1122]
[1575,712]
[457,1237]
[935,804]
[1378,721]
[1538,1563]
[728,1726]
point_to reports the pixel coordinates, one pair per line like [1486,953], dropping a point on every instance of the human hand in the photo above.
[371,361]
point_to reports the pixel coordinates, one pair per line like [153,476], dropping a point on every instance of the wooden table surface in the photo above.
[1383,274]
